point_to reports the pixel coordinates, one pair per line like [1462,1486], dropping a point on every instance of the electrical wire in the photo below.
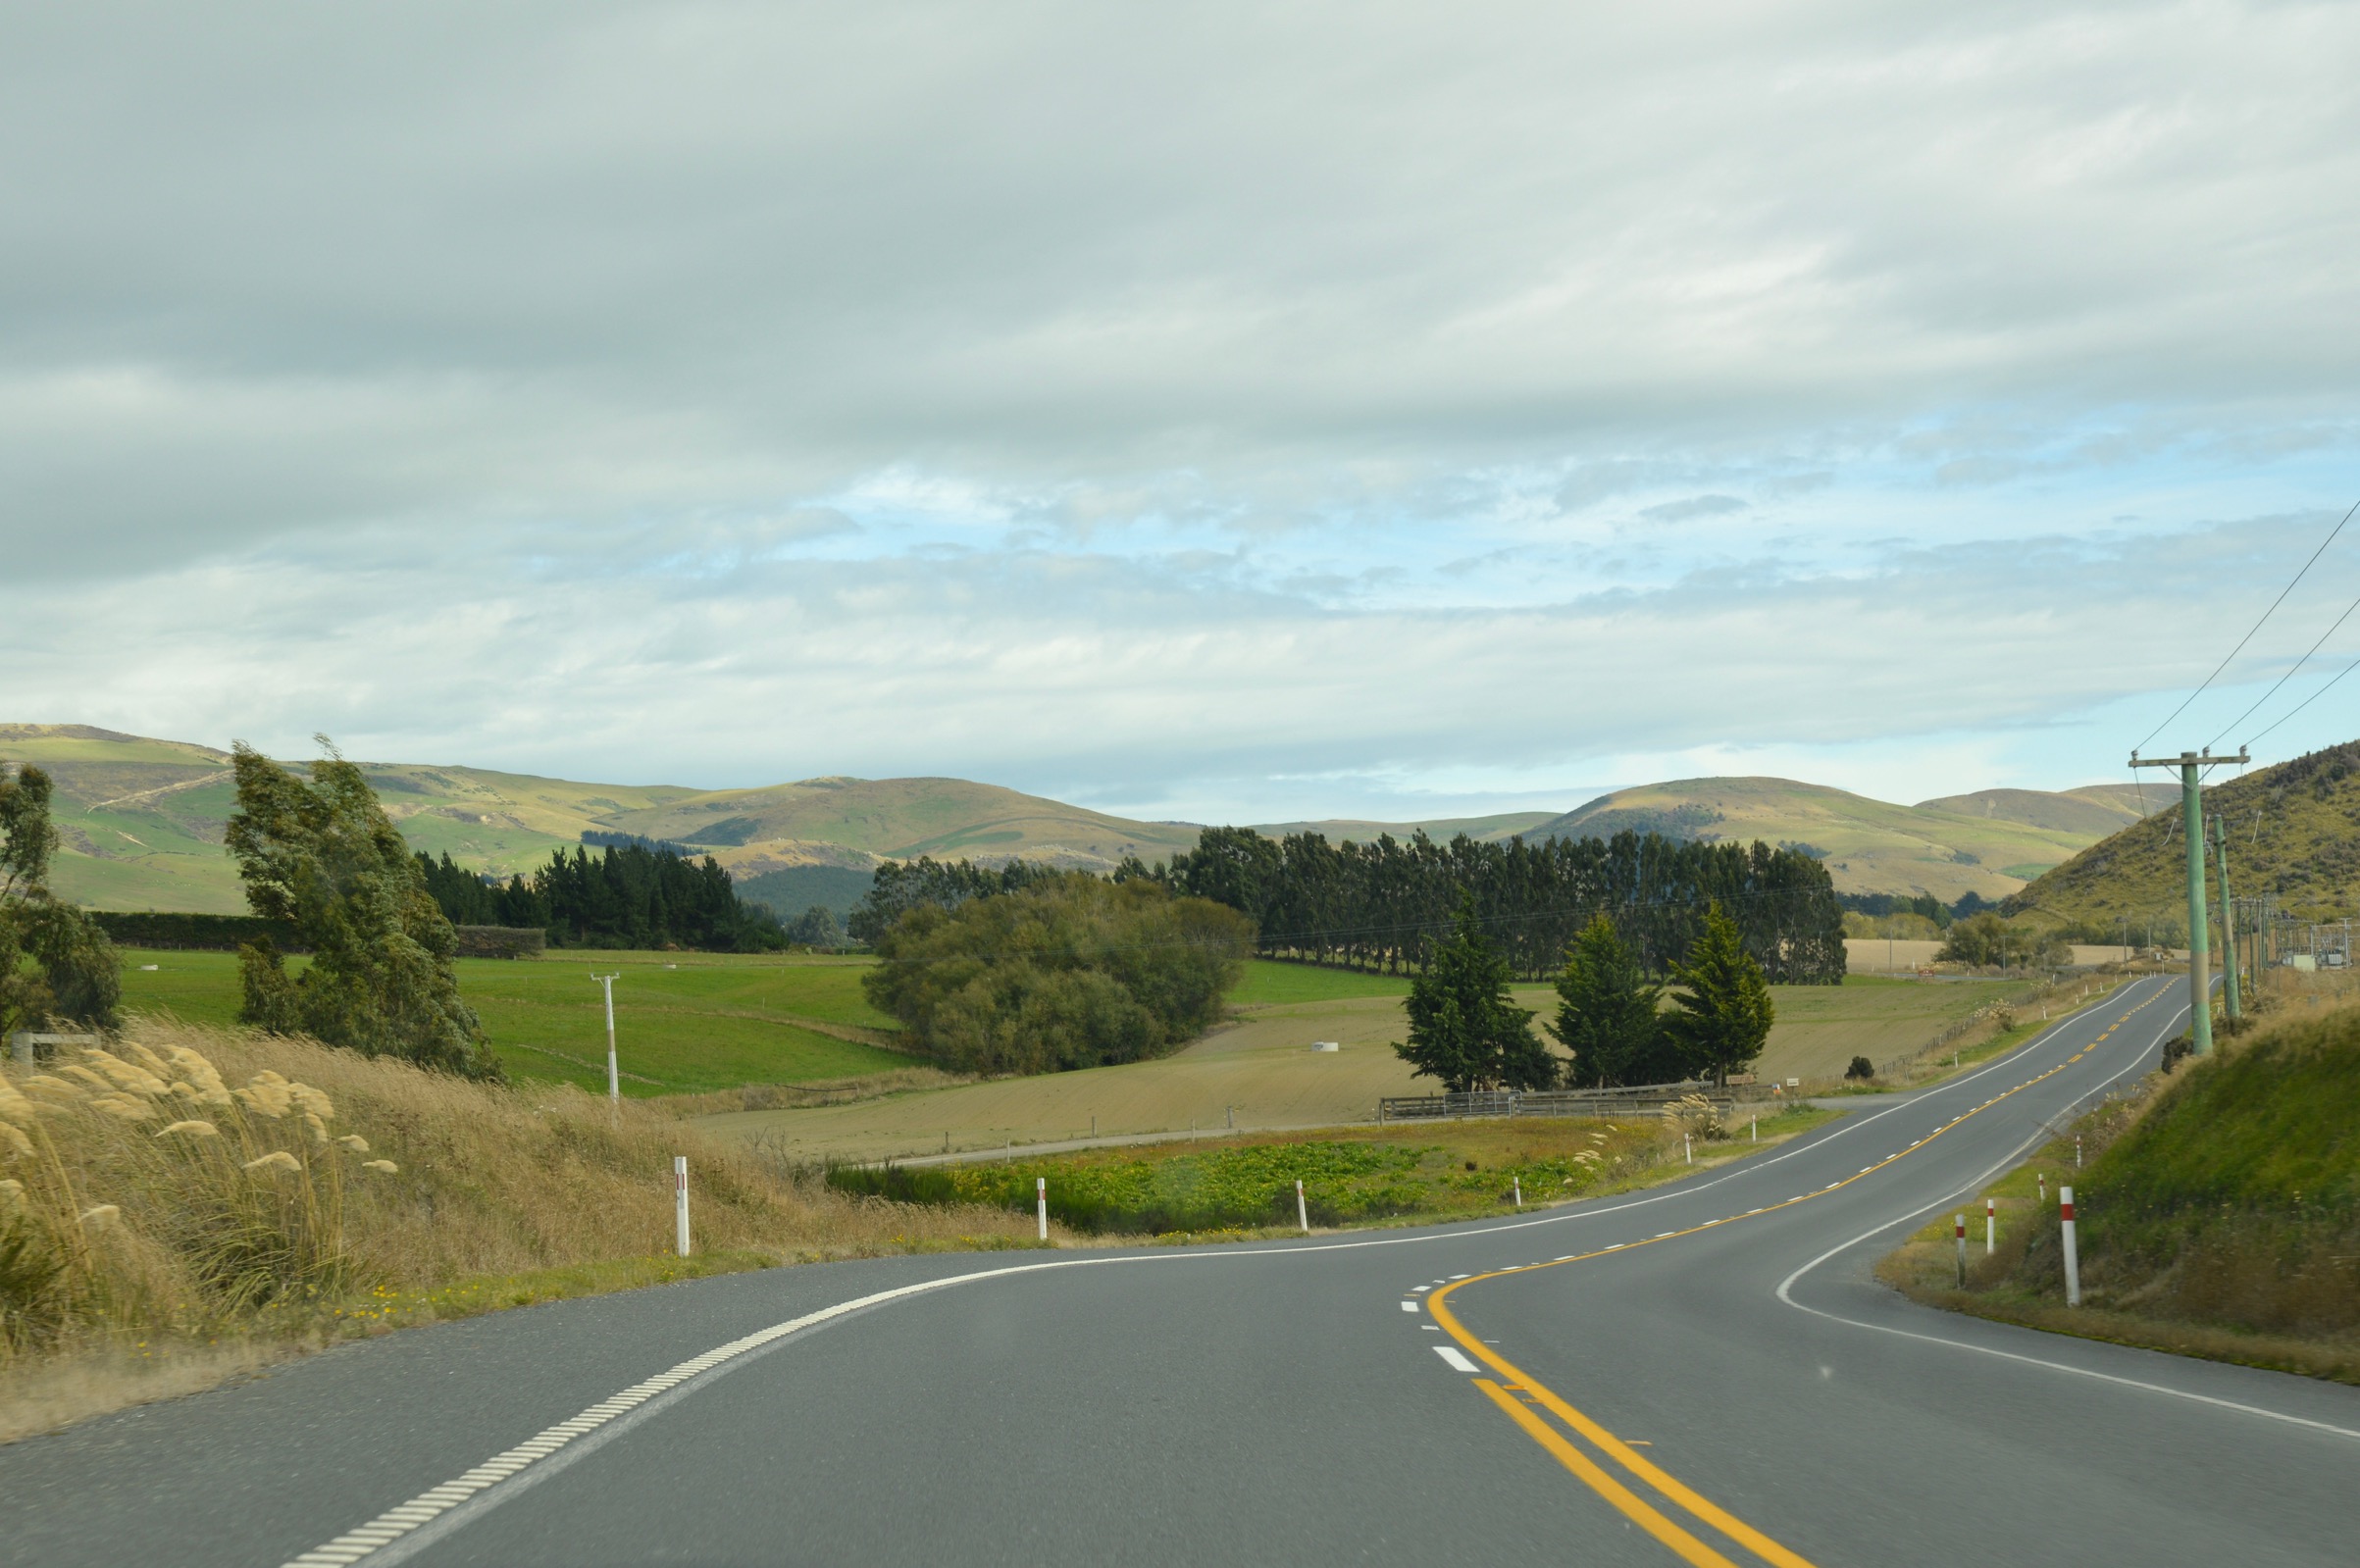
[2283,680]
[2307,701]
[2248,636]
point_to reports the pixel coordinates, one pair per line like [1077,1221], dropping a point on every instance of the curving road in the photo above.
[1701,1373]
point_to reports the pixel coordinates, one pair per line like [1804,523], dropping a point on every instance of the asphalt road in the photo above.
[1701,1373]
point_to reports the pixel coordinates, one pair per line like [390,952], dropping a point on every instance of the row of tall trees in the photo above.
[1387,904]
[628,895]
[929,884]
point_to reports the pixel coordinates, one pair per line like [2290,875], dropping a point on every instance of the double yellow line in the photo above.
[1523,1397]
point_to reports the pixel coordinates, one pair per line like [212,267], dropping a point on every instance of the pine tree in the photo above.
[1724,1003]
[1462,1028]
[1608,1014]
[324,857]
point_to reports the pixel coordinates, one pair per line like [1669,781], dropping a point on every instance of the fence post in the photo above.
[680,1202]
[2072,1255]
[1041,1199]
[1303,1215]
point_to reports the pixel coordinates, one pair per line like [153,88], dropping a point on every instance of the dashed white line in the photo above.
[1408,1306]
[1453,1359]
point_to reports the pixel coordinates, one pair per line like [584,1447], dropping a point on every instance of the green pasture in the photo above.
[684,1023]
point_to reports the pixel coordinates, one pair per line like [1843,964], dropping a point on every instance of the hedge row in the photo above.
[225,934]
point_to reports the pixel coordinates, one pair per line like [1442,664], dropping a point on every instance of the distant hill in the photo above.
[2097,809]
[2294,831]
[142,821]
[901,819]
[1442,829]
[1989,843]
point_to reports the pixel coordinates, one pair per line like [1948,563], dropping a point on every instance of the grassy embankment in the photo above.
[2219,1211]
[172,1215]
[1351,1176]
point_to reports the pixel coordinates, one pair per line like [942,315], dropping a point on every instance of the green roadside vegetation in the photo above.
[2218,1209]
[1224,1188]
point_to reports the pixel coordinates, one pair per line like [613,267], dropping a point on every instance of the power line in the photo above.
[2248,636]
[2283,680]
[2307,701]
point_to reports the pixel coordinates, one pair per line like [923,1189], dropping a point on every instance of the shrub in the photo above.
[1861,1068]
[1072,972]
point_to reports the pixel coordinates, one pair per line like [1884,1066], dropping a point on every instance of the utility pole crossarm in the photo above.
[2198,759]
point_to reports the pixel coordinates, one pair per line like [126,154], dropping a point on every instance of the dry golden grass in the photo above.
[193,1202]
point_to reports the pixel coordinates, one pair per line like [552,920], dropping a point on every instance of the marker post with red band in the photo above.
[1040,1199]
[1991,1224]
[1958,1225]
[680,1203]
[2072,1255]
[1303,1214]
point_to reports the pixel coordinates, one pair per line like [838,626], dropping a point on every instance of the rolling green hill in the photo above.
[1983,844]
[2294,831]
[141,823]
[755,831]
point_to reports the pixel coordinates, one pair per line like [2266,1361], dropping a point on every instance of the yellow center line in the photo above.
[1673,1489]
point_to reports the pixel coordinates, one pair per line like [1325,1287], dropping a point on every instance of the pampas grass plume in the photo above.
[385,1166]
[100,1215]
[276,1160]
[193,1129]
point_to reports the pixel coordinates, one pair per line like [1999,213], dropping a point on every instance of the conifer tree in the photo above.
[1607,1015]
[1462,1028]
[324,857]
[1724,1012]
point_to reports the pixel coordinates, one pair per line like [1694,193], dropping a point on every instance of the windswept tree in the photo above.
[1462,1028]
[75,975]
[1608,1016]
[324,857]
[1723,1012]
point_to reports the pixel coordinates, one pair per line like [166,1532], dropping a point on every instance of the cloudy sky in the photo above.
[1208,412]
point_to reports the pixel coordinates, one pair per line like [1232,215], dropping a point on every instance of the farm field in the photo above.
[685,1023]
[691,1023]
[1261,1069]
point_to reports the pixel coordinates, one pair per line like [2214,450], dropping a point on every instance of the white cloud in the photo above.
[1154,403]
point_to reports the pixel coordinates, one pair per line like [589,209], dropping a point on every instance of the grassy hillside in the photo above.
[2294,831]
[2096,810]
[901,818]
[1870,846]
[1442,829]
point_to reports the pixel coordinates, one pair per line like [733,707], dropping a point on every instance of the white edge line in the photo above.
[395,1532]
[1786,1286]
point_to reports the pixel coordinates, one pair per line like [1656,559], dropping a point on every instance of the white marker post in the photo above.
[1687,1148]
[680,1203]
[1991,1224]
[614,1074]
[1757,1125]
[2072,1255]
[1041,1202]
[2042,1177]
[1303,1214]
[2076,1151]
[1520,1190]
[1958,1225]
